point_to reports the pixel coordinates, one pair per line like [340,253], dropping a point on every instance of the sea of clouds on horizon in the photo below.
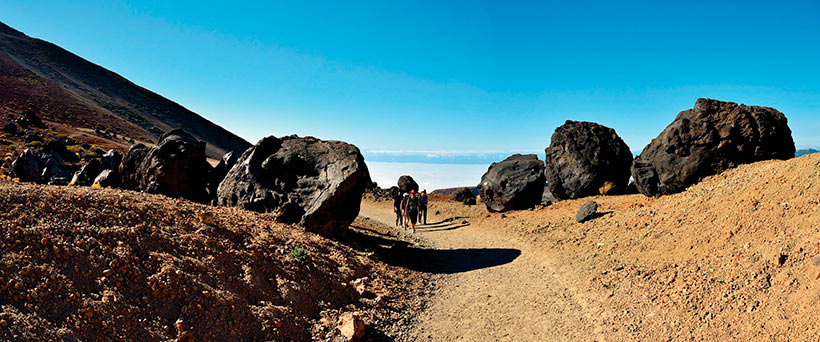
[431,169]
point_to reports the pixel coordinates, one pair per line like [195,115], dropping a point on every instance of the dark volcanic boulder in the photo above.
[32,120]
[108,179]
[129,178]
[10,128]
[315,183]
[514,183]
[54,170]
[176,167]
[464,195]
[219,171]
[406,183]
[708,139]
[87,174]
[586,159]
[58,147]
[111,160]
[26,167]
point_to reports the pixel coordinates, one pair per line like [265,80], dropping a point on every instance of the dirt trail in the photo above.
[491,287]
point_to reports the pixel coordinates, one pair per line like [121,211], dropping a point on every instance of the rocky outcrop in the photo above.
[407,183]
[107,179]
[464,195]
[54,169]
[708,139]
[26,167]
[514,183]
[314,183]
[129,179]
[10,128]
[176,167]
[111,160]
[58,147]
[219,171]
[586,159]
[87,174]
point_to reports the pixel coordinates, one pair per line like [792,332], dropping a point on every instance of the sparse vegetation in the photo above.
[34,144]
[300,254]
[94,152]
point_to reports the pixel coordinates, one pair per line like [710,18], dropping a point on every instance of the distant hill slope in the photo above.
[804,152]
[63,87]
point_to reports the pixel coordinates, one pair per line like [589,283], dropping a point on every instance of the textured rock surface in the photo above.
[87,174]
[464,195]
[176,167]
[587,211]
[586,159]
[111,160]
[129,178]
[514,183]
[407,183]
[26,167]
[317,184]
[219,171]
[708,139]
[108,179]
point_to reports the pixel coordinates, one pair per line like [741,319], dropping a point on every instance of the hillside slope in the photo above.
[65,88]
[80,263]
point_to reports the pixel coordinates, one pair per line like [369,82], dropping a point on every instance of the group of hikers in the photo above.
[410,208]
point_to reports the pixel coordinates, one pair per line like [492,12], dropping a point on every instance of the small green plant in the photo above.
[94,152]
[34,144]
[300,254]
[79,150]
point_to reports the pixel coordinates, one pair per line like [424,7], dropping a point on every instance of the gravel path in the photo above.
[490,287]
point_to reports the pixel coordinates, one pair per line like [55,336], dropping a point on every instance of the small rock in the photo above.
[464,222]
[502,216]
[351,325]
[438,212]
[587,211]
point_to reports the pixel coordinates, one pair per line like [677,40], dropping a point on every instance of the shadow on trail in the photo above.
[449,261]
[438,261]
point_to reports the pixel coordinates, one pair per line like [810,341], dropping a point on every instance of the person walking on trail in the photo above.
[405,198]
[423,207]
[412,209]
[397,199]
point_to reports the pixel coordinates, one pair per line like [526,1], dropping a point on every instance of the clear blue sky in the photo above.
[465,76]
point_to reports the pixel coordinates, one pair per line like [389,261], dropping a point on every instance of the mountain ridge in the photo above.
[61,86]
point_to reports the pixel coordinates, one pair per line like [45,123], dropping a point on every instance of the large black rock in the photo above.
[111,160]
[54,169]
[514,183]
[708,139]
[87,174]
[58,147]
[129,179]
[407,183]
[314,183]
[176,167]
[219,171]
[26,167]
[586,159]
[464,195]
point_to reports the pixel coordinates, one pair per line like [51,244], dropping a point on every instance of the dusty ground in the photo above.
[97,264]
[732,258]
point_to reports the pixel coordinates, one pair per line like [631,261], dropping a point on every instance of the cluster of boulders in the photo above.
[585,158]
[54,164]
[314,183]
[465,195]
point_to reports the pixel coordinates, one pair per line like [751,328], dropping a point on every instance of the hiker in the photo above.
[423,207]
[397,199]
[404,200]
[412,209]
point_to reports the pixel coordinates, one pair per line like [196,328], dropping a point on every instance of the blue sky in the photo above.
[448,77]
